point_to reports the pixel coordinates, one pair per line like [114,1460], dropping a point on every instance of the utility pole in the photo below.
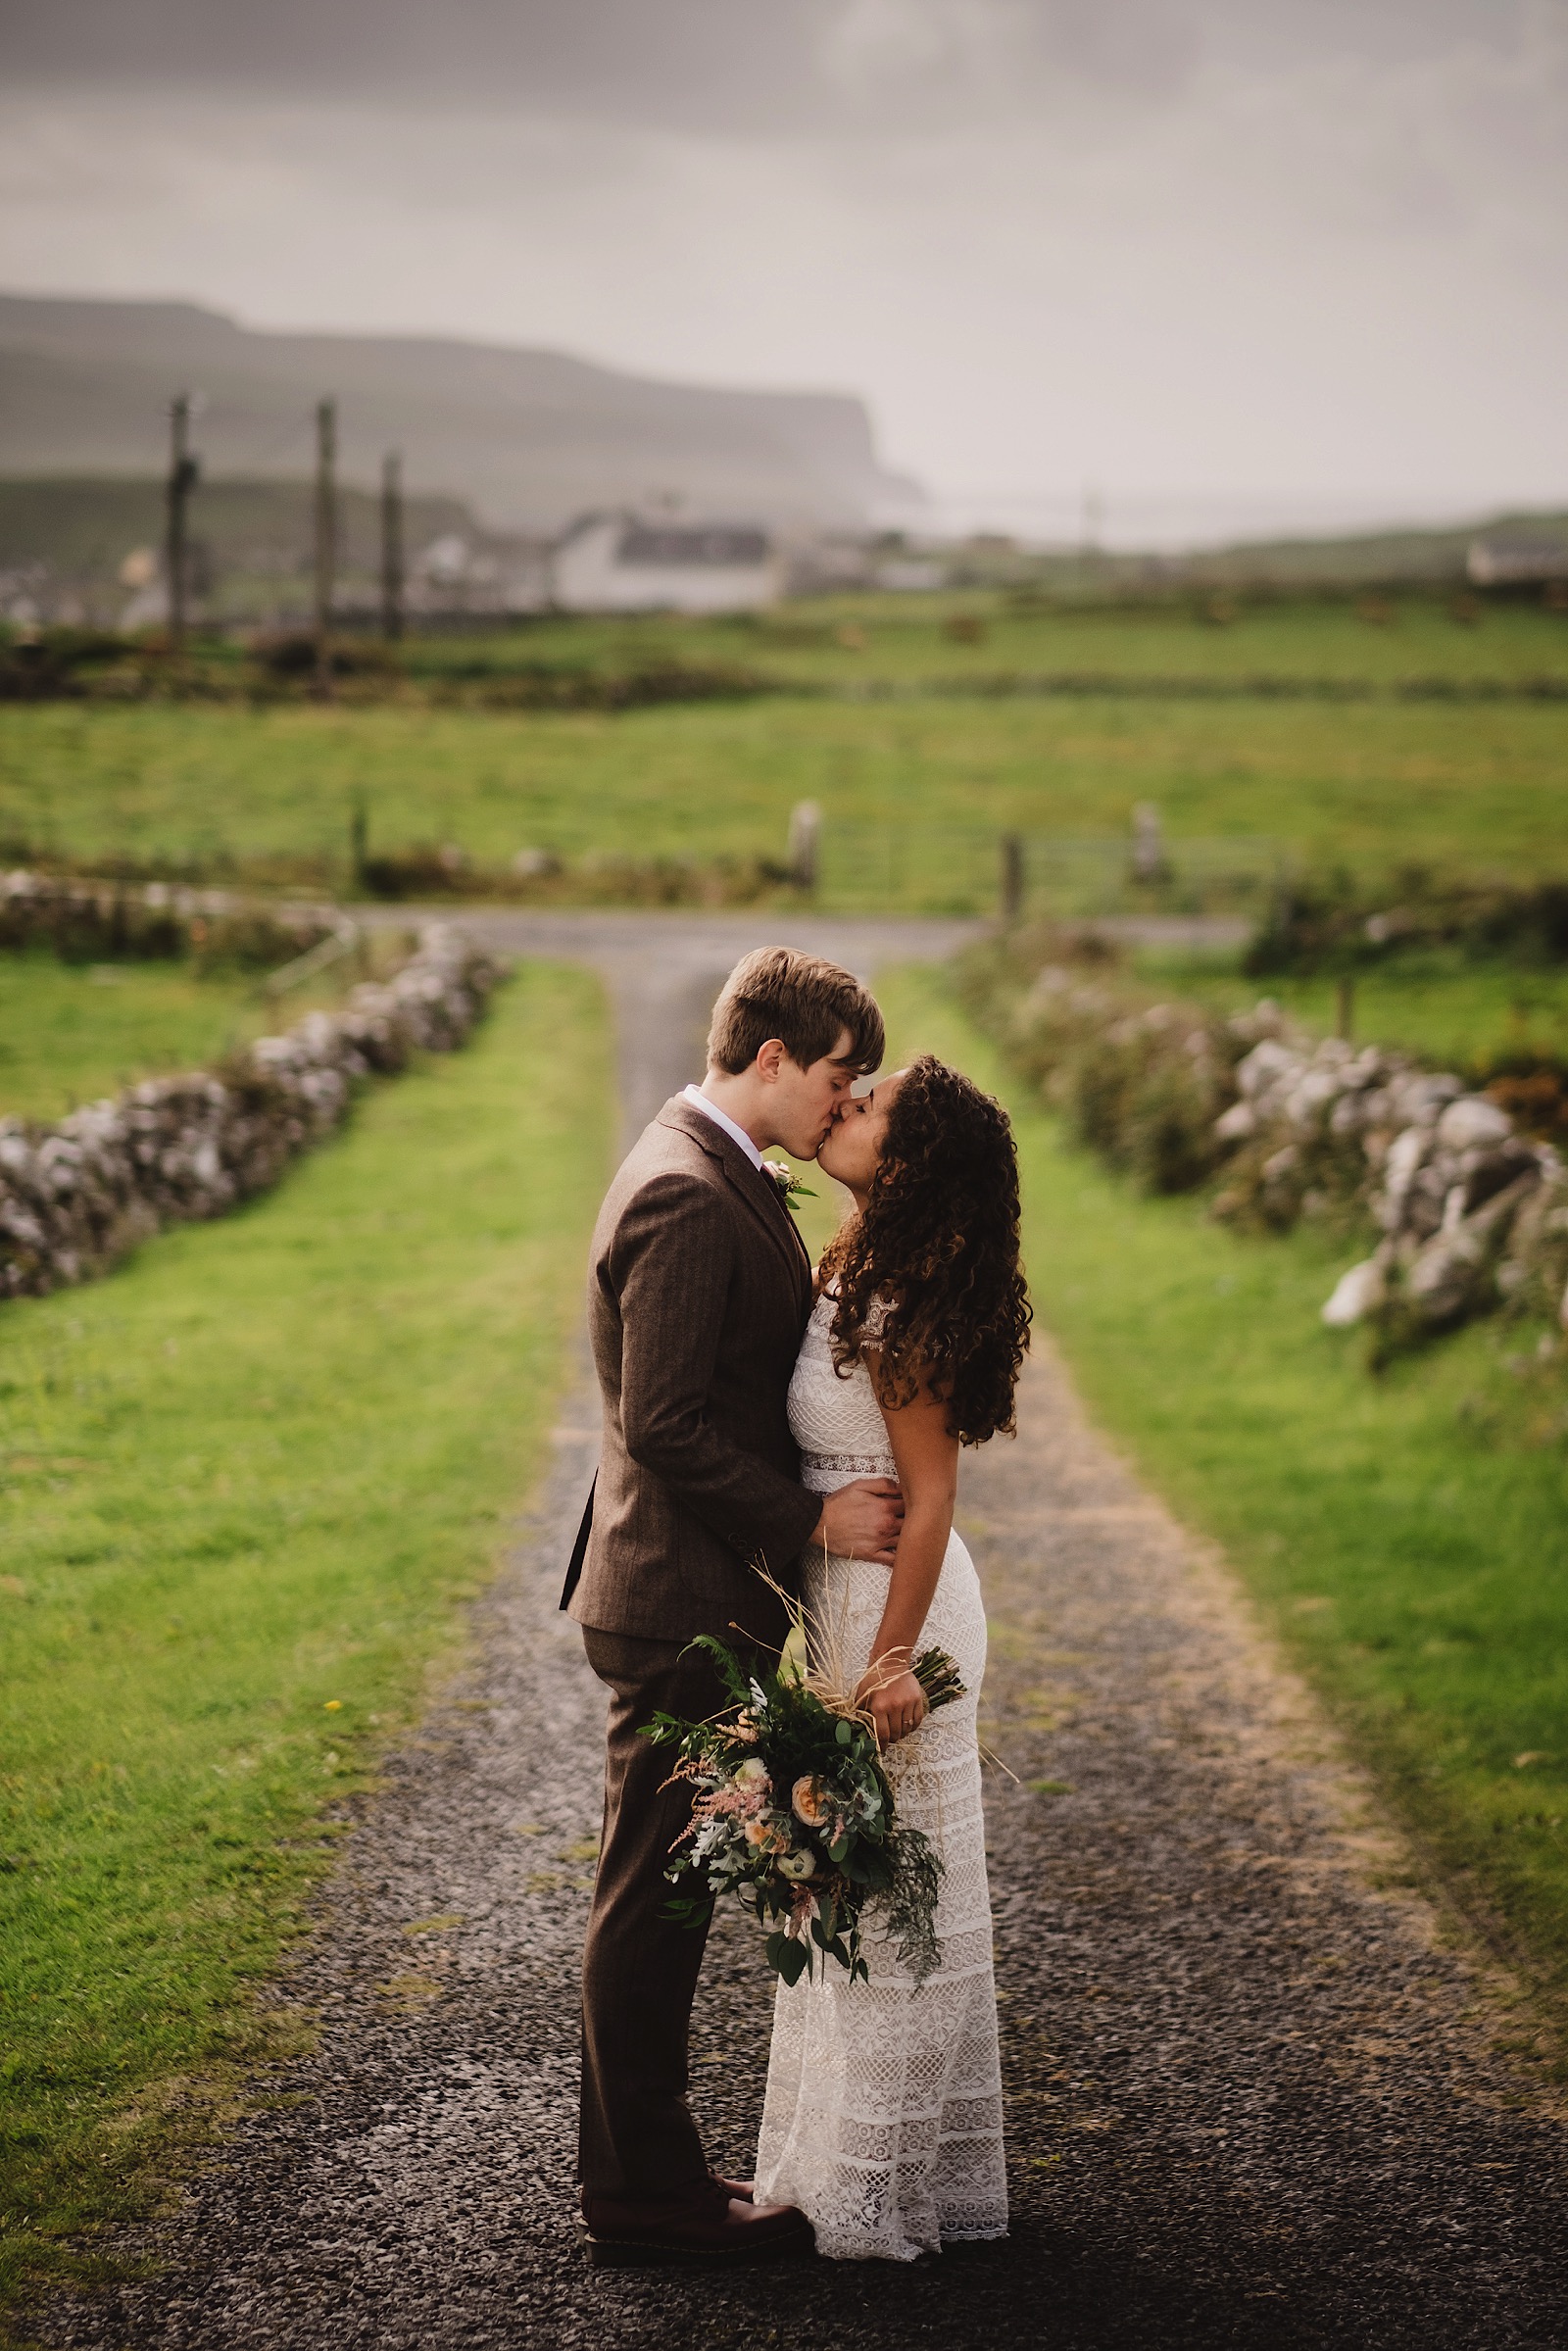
[392,547]
[325,541]
[181,481]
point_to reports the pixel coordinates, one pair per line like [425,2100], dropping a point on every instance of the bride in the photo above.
[883,2115]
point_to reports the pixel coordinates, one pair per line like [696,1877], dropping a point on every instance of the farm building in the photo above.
[621,563]
[1498,562]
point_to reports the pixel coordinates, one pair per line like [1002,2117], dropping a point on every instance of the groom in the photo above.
[700,1290]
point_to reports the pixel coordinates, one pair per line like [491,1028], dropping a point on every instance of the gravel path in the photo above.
[1252,2100]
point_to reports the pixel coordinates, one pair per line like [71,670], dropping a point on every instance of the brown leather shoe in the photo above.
[711,2227]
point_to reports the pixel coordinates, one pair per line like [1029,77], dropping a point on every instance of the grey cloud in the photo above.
[1304,244]
[714,66]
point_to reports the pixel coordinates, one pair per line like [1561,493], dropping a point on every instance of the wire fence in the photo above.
[974,869]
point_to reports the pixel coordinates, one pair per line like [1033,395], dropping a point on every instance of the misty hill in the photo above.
[528,438]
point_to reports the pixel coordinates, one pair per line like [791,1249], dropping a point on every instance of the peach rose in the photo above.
[807,1800]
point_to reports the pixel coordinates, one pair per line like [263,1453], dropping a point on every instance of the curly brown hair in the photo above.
[929,1274]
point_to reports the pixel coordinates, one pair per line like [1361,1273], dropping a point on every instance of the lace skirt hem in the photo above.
[835,2244]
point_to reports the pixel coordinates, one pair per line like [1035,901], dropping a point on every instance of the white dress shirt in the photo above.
[711,1109]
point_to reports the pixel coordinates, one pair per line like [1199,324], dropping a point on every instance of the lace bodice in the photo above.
[835,1420]
[883,2118]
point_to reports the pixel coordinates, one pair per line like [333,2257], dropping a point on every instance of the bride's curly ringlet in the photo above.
[938,1243]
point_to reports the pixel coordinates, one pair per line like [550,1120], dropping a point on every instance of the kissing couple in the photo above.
[761,1412]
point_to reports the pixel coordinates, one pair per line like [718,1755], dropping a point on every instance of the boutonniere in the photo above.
[791,1188]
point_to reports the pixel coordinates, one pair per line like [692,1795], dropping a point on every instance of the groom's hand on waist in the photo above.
[861,1521]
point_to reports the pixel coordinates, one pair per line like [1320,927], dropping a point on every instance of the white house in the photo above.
[622,562]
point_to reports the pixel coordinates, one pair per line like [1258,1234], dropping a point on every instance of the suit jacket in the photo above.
[698,1292]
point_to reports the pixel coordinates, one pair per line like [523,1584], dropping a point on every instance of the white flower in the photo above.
[798,1864]
[752,1775]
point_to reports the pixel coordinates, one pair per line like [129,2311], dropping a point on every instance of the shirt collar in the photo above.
[711,1109]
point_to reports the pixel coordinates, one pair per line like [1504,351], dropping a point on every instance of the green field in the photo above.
[972,639]
[1405,1536]
[245,1486]
[1436,1006]
[72,1033]
[1366,784]
[916,762]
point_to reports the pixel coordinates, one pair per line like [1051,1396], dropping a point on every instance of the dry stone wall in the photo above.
[75,1197]
[1444,1171]
[1469,1211]
[83,920]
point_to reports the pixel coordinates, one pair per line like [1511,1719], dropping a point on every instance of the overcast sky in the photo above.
[1242,256]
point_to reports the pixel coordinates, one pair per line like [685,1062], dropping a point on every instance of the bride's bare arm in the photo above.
[927,1459]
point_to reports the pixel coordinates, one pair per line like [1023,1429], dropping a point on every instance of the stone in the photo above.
[1237,1123]
[1355,1295]
[1473,1122]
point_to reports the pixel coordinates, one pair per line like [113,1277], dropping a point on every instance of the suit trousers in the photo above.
[637,2139]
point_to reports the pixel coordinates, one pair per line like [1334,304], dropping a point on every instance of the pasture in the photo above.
[71,1033]
[919,745]
[1445,1009]
[974,639]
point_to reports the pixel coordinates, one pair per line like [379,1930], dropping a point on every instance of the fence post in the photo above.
[806,830]
[1011,877]
[1149,861]
[325,541]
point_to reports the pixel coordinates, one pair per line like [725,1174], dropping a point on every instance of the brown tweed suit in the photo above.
[698,1292]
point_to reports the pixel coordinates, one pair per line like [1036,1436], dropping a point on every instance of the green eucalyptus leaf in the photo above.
[789,1957]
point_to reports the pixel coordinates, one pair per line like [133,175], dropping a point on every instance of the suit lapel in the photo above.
[743,1178]
[755,1188]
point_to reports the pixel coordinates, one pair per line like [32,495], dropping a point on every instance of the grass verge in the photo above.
[246,1484]
[1405,1535]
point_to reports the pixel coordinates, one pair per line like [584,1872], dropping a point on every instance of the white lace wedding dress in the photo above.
[883,2116]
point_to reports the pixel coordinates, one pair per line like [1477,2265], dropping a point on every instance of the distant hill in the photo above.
[527,438]
[1369,557]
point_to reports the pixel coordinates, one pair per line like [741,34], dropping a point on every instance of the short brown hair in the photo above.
[803,1001]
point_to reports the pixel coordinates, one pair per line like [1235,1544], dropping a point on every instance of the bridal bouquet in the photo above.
[795,1814]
